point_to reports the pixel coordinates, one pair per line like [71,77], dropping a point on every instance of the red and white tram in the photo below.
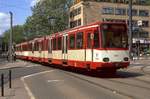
[99,46]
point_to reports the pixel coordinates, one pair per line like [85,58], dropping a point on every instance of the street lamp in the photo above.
[11,38]
[138,42]
[52,21]
[130,28]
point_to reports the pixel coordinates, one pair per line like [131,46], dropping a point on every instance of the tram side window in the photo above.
[33,47]
[72,41]
[96,39]
[59,43]
[79,40]
[66,49]
[45,43]
[89,40]
[36,46]
[49,46]
[54,44]
[40,46]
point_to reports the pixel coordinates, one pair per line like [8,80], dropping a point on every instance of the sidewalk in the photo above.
[18,90]
[16,64]
[141,60]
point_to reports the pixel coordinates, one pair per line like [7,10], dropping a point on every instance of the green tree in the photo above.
[38,23]
[18,35]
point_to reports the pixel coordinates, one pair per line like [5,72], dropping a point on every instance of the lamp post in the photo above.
[130,28]
[138,37]
[11,38]
[52,21]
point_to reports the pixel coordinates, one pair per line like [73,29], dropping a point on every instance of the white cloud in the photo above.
[34,2]
[4,22]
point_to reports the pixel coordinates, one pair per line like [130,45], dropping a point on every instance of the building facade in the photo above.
[84,12]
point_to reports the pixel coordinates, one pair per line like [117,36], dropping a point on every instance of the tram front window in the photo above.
[114,36]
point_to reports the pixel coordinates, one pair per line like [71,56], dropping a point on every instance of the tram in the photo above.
[99,46]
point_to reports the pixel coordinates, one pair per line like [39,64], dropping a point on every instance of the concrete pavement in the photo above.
[19,68]
[18,90]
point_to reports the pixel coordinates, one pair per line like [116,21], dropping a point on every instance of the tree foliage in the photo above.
[39,22]
[18,35]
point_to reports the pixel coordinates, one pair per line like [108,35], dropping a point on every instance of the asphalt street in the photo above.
[45,82]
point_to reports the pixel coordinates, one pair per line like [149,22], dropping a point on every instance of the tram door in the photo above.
[65,49]
[50,50]
[89,46]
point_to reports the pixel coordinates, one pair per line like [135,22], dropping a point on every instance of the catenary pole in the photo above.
[130,28]
[11,38]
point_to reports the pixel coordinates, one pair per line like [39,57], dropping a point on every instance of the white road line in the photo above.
[28,90]
[26,86]
[49,81]
[8,67]
[34,66]
[35,74]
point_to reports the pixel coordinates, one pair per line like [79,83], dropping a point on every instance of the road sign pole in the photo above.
[130,28]
[11,38]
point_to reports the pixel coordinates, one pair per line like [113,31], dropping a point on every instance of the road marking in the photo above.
[26,86]
[3,68]
[49,81]
[28,90]
[35,74]
[33,66]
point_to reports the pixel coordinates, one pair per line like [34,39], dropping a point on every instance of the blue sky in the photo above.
[20,8]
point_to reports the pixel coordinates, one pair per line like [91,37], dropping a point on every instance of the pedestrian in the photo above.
[134,53]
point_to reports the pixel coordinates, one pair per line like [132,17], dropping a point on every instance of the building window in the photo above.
[75,12]
[72,41]
[120,11]
[144,13]
[79,22]
[145,23]
[113,20]
[79,41]
[75,23]
[144,34]
[134,23]
[134,12]
[142,2]
[108,10]
[79,11]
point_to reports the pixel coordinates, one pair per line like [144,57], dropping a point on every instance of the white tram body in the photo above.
[99,46]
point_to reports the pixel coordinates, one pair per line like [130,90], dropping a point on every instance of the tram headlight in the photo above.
[106,59]
[126,59]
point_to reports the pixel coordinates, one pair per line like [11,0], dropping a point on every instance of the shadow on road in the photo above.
[118,74]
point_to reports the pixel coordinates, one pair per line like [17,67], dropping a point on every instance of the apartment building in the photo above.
[84,12]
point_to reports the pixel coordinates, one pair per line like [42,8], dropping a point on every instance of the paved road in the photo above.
[2,60]
[59,84]
[44,82]
[56,84]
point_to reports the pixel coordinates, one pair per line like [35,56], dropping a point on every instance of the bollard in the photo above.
[2,84]
[10,78]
